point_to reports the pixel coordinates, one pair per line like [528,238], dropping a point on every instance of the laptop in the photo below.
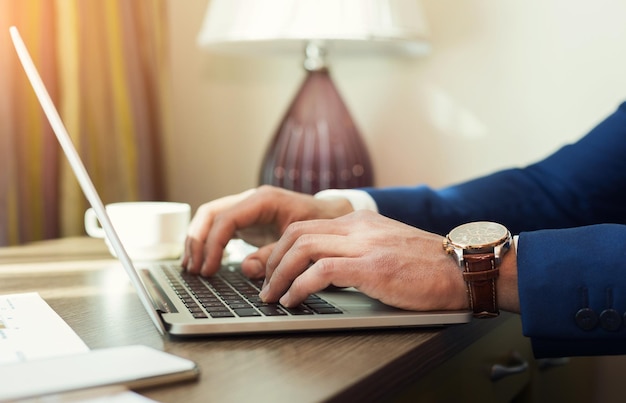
[181,304]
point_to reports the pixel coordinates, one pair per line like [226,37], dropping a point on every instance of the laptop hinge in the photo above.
[159,299]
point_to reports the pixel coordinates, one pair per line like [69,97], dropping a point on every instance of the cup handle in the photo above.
[92,225]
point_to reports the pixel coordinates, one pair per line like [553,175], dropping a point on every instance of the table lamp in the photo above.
[317,144]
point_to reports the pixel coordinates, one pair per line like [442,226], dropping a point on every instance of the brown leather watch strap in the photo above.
[480,275]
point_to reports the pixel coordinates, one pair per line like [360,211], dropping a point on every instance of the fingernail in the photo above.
[253,267]
[264,290]
[284,300]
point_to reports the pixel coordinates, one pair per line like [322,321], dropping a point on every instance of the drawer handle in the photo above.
[516,365]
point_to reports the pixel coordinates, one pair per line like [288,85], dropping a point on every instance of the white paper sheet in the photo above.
[30,329]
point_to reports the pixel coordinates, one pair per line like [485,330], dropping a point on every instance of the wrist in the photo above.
[358,199]
[336,207]
[479,248]
[506,285]
[459,296]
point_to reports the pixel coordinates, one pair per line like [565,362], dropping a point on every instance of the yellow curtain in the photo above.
[105,66]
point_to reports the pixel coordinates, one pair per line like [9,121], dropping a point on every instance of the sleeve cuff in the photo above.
[360,199]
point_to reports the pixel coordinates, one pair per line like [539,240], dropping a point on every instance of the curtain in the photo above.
[105,66]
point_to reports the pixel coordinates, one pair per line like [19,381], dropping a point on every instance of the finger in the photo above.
[214,251]
[295,233]
[186,253]
[339,272]
[196,236]
[200,226]
[247,212]
[193,255]
[307,250]
[253,266]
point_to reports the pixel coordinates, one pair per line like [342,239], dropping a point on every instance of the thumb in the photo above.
[253,266]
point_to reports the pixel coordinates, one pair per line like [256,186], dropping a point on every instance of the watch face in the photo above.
[478,235]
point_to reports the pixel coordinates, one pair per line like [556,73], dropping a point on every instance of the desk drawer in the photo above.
[495,368]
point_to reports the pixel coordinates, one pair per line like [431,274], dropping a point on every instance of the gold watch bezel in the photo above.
[477,237]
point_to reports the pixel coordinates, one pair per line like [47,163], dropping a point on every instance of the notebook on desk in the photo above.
[187,305]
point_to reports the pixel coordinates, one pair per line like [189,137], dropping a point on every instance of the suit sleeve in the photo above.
[572,289]
[581,184]
[570,212]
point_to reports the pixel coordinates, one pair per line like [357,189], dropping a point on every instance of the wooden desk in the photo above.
[82,283]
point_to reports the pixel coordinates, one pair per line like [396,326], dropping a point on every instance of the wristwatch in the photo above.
[478,248]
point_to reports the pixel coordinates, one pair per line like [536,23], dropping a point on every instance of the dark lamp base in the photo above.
[317,145]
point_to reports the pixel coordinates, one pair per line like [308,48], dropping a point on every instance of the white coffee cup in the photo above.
[148,230]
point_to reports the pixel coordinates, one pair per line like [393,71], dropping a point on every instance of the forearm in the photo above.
[506,285]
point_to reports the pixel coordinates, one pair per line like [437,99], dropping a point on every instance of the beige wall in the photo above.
[507,82]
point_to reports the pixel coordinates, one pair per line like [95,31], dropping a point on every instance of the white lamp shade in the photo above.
[284,25]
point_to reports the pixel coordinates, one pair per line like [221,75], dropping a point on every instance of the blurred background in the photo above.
[505,83]
[157,117]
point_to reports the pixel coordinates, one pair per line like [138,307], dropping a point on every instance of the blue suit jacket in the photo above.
[570,213]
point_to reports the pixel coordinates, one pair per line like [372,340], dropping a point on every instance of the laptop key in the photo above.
[247,312]
[318,305]
[211,303]
[299,310]
[272,311]
[234,301]
[239,306]
[225,314]
[212,309]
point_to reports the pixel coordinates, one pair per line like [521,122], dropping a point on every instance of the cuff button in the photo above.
[610,320]
[586,318]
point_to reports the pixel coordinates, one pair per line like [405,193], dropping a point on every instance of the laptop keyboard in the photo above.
[229,294]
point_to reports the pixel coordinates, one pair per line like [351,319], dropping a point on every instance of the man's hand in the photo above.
[258,216]
[395,263]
